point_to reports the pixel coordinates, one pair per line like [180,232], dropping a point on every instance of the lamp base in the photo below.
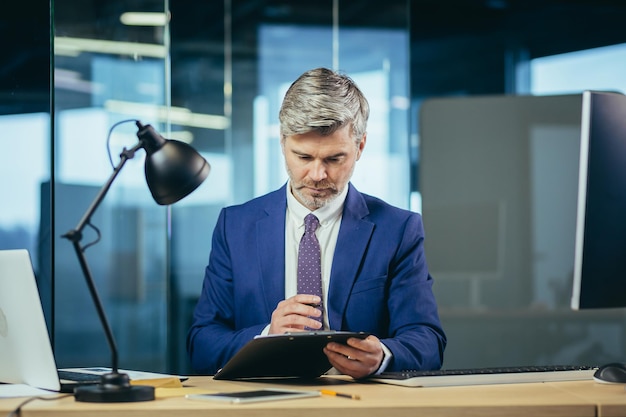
[114,388]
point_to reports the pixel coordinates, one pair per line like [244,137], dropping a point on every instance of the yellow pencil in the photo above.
[340,394]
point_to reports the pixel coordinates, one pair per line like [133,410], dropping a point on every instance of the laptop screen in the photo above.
[25,351]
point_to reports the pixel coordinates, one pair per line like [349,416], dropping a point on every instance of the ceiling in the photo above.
[445,34]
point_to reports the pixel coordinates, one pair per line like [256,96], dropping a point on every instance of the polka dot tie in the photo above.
[309,261]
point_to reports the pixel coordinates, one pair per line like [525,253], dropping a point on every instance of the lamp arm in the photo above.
[75,236]
[124,156]
[96,300]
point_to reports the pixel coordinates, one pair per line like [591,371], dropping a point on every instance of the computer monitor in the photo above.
[600,247]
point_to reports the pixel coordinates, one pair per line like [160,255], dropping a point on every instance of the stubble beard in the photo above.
[313,202]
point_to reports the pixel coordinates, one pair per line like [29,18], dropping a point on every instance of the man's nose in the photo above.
[317,171]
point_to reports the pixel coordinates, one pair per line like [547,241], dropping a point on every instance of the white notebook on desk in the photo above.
[25,351]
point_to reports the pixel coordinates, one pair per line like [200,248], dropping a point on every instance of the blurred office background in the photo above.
[212,73]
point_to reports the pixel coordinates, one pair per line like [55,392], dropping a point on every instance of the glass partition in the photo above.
[109,67]
[25,137]
[214,77]
[213,74]
[243,69]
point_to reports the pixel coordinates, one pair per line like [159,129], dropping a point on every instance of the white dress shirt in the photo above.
[329,217]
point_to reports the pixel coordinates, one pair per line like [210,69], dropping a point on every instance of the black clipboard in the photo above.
[289,355]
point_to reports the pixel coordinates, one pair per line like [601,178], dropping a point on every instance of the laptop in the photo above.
[25,350]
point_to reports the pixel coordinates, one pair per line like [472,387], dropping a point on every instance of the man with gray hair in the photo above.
[318,254]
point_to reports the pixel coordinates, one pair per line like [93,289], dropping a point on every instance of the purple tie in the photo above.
[309,262]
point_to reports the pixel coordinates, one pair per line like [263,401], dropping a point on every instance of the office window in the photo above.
[382,76]
[591,69]
[19,217]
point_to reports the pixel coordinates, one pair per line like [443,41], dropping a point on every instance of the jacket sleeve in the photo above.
[416,338]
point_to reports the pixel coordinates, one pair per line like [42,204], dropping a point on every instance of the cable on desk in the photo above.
[18,409]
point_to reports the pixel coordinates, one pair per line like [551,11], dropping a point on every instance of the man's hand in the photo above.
[293,314]
[359,358]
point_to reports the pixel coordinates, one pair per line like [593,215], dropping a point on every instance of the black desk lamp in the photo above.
[173,170]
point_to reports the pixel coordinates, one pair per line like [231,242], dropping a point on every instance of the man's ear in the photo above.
[361,146]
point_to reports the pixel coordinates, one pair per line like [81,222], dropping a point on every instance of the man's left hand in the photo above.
[358,358]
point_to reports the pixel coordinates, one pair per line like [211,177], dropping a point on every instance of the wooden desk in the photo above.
[567,399]
[610,399]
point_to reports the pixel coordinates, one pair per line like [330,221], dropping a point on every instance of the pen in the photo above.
[340,394]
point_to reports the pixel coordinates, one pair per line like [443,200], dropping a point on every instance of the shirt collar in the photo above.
[329,212]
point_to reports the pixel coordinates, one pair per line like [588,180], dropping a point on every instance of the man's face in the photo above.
[319,167]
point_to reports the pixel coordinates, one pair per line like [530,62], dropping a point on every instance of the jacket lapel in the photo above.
[271,249]
[354,235]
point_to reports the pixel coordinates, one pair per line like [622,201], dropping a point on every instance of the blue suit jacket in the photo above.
[379,281]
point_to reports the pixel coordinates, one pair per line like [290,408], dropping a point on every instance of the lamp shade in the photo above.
[173,168]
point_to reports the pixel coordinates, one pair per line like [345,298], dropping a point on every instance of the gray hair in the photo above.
[324,101]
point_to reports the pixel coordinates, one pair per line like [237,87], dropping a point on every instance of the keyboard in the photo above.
[92,374]
[72,378]
[485,376]
[81,377]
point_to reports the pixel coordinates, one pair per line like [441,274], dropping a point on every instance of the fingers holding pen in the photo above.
[296,313]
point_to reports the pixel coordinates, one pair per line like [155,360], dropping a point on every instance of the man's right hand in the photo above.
[293,314]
